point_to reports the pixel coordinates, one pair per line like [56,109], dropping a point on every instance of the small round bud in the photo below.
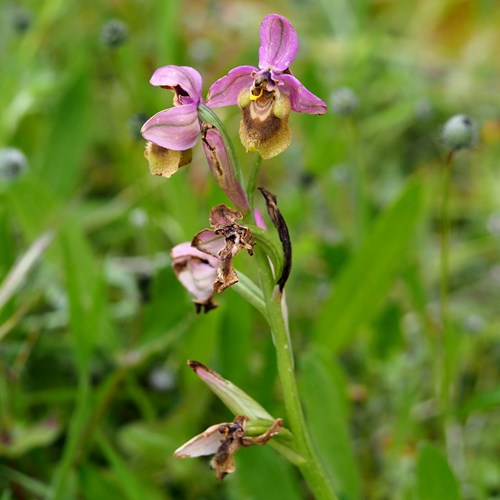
[21,19]
[459,132]
[344,101]
[114,33]
[13,163]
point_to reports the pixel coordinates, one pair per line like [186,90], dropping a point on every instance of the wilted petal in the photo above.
[224,243]
[166,162]
[175,128]
[221,166]
[183,76]
[222,216]
[278,43]
[206,443]
[302,100]
[225,91]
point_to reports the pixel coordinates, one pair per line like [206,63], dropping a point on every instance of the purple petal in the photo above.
[225,91]
[278,43]
[175,128]
[183,76]
[302,100]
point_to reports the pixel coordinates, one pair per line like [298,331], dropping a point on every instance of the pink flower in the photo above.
[267,94]
[173,132]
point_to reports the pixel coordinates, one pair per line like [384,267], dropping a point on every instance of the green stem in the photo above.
[312,469]
[252,180]
[445,340]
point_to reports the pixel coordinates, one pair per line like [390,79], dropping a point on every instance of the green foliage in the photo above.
[95,331]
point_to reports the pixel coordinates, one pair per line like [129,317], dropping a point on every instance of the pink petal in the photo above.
[209,242]
[225,91]
[175,128]
[196,270]
[183,76]
[186,250]
[278,43]
[302,100]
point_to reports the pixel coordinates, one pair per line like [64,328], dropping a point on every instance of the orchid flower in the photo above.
[267,94]
[172,133]
[197,272]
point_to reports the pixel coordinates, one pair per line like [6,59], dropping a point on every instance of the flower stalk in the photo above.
[312,469]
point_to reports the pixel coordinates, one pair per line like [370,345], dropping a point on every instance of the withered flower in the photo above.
[223,441]
[224,242]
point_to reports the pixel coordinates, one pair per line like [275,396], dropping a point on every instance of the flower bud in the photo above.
[459,132]
[13,163]
[21,19]
[114,33]
[344,101]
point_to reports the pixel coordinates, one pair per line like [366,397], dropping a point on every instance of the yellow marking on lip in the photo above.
[255,97]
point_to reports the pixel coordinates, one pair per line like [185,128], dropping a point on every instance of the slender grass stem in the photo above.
[359,184]
[445,348]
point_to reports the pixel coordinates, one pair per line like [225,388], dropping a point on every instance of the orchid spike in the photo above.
[267,94]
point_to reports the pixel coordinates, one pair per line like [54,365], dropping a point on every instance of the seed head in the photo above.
[344,101]
[13,163]
[114,33]
[459,132]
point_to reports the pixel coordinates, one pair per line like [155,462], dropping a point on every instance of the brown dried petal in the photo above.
[222,215]
[284,235]
[224,242]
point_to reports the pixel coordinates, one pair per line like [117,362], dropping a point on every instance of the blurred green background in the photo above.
[95,330]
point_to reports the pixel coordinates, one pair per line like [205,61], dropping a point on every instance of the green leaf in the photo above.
[324,394]
[435,479]
[366,279]
[132,487]
[63,158]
